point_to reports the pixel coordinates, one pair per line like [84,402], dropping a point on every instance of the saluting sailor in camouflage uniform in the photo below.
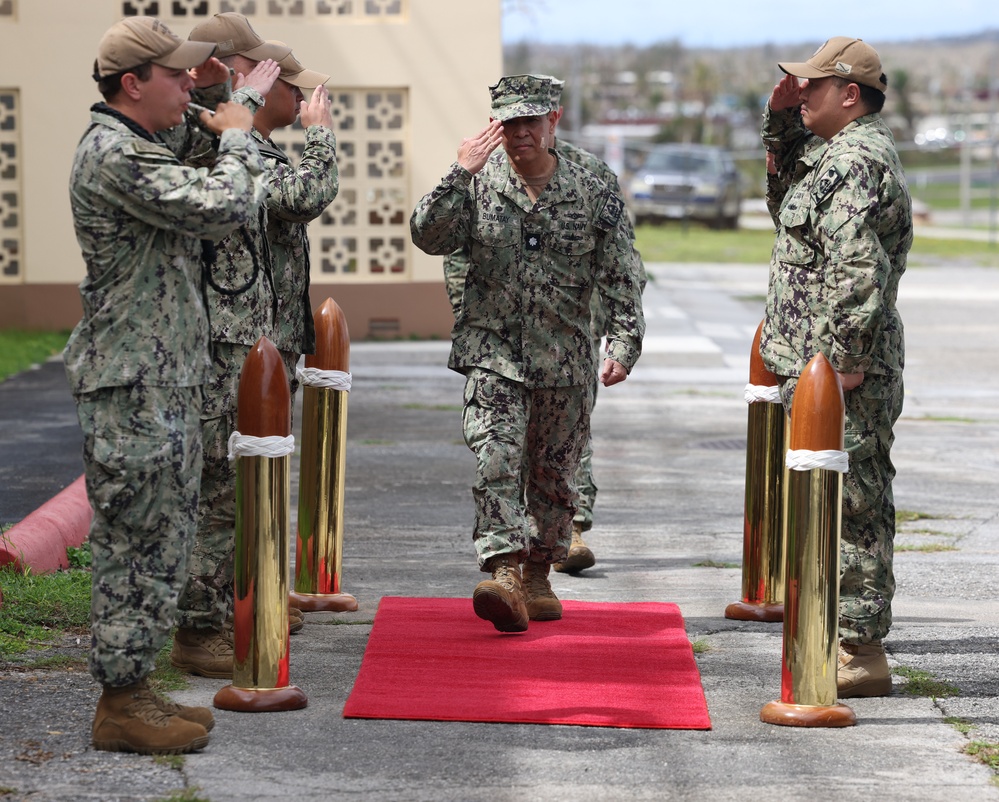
[844,230]
[580,555]
[543,235]
[298,195]
[252,295]
[137,359]
[242,309]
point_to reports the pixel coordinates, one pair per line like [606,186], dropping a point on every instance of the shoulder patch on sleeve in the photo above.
[611,209]
[826,183]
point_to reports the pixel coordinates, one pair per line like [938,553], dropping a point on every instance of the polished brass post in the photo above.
[816,460]
[262,447]
[319,544]
[763,518]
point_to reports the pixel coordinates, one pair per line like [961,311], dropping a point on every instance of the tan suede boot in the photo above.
[206,652]
[580,555]
[129,719]
[539,598]
[199,715]
[863,670]
[500,600]
[296,620]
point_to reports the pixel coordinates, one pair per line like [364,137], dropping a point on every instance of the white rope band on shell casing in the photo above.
[762,392]
[325,379]
[805,460]
[243,445]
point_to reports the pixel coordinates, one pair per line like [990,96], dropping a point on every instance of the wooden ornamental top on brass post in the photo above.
[261,660]
[816,460]
[763,539]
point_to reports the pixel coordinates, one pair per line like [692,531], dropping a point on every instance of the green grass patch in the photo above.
[715,564]
[700,646]
[375,442]
[985,752]
[435,407]
[175,762]
[675,243]
[905,516]
[19,350]
[39,609]
[925,548]
[923,683]
[962,725]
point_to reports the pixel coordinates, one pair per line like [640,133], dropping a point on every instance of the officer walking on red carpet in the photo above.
[543,235]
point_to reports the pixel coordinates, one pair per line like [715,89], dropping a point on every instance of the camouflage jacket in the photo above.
[844,230]
[456,264]
[532,270]
[141,217]
[297,195]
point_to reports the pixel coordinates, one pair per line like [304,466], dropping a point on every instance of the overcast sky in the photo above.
[724,23]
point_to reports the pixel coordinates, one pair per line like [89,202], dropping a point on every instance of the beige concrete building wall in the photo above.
[409,80]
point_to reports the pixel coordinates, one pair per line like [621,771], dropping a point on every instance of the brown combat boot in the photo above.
[199,715]
[129,719]
[539,598]
[296,620]
[863,670]
[500,600]
[206,652]
[580,556]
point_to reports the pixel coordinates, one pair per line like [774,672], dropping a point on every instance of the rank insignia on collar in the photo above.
[532,241]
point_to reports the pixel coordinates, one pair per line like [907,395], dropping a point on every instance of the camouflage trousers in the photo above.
[585,484]
[527,444]
[142,459]
[207,598]
[867,581]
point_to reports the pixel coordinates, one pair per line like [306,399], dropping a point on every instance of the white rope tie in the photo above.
[805,460]
[327,379]
[762,392]
[244,445]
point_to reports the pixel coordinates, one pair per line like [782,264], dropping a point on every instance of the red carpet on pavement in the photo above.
[602,665]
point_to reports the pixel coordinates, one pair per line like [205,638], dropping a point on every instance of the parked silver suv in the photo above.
[686,182]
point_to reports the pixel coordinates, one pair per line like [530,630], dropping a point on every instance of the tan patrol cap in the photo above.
[844,57]
[235,36]
[295,74]
[141,40]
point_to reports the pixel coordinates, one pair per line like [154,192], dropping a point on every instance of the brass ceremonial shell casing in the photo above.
[763,517]
[260,676]
[319,542]
[811,598]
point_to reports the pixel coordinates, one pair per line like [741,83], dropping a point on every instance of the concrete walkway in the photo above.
[670,463]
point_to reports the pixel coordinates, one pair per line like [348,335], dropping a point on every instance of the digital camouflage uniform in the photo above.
[456,266]
[844,229]
[242,308]
[136,363]
[522,336]
[298,195]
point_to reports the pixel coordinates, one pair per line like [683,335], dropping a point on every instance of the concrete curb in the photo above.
[39,541]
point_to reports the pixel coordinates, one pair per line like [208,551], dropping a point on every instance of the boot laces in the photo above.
[146,707]
[507,574]
[536,583]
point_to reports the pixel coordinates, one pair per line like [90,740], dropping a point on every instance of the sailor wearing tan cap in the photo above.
[844,218]
[139,356]
[264,291]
